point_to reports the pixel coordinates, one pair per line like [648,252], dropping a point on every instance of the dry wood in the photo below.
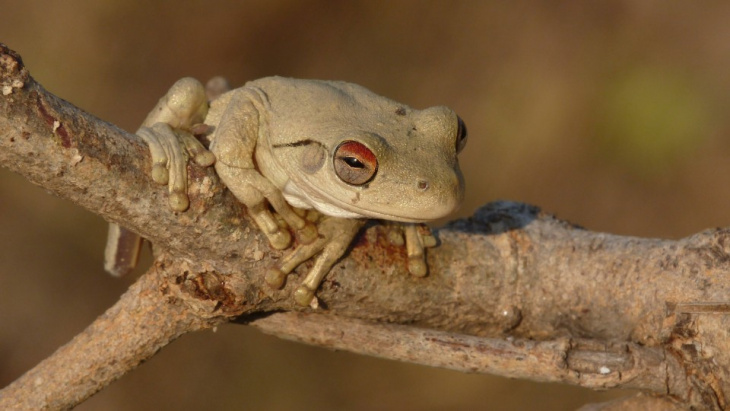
[511,291]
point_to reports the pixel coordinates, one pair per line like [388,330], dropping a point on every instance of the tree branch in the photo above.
[146,318]
[579,362]
[576,306]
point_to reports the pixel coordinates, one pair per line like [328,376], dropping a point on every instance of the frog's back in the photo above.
[291,93]
[287,101]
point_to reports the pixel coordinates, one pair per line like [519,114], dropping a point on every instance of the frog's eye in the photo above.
[461,135]
[354,163]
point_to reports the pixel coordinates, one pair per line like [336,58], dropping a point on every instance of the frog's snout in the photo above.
[440,196]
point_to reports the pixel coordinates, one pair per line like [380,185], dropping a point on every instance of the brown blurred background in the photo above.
[609,114]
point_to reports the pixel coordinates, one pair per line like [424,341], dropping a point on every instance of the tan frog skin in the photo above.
[285,145]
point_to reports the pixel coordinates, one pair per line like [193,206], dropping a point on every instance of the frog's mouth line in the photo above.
[336,208]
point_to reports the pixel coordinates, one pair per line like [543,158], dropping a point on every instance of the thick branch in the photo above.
[509,270]
[106,170]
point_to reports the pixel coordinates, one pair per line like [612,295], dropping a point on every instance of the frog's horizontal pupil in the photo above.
[353,162]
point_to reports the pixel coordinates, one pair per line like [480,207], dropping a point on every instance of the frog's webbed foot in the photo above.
[168,131]
[416,237]
[335,235]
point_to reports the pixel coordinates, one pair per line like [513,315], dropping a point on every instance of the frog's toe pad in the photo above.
[303,296]
[417,266]
[395,236]
[178,201]
[204,158]
[280,239]
[160,175]
[275,278]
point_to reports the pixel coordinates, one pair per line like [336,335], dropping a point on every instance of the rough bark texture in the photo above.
[511,291]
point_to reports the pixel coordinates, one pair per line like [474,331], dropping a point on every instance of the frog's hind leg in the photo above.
[166,130]
[336,234]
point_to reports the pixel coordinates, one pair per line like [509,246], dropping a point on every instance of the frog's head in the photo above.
[362,155]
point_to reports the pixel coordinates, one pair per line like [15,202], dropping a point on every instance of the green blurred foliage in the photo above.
[651,118]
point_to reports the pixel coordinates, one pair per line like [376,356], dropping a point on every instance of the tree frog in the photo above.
[283,146]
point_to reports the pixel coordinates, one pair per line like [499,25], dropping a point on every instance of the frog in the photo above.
[312,161]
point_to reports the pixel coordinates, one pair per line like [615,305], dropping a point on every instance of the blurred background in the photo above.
[610,114]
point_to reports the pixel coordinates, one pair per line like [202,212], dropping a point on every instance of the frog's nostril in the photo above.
[423,185]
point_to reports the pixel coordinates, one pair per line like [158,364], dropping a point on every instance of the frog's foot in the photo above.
[258,193]
[335,235]
[258,196]
[307,233]
[416,237]
[167,130]
[170,149]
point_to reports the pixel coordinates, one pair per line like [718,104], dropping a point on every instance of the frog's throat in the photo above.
[302,199]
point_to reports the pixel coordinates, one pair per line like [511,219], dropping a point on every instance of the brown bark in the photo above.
[511,291]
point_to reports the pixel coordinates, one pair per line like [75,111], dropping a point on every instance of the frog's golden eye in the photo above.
[461,135]
[354,163]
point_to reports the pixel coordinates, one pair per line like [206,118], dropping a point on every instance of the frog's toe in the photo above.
[303,296]
[427,237]
[204,158]
[280,239]
[307,234]
[430,241]
[417,266]
[195,148]
[393,233]
[178,201]
[160,175]
[275,277]
[418,237]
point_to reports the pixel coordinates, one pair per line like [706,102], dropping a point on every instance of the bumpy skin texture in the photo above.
[284,145]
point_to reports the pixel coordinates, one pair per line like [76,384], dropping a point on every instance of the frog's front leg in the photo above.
[235,141]
[335,236]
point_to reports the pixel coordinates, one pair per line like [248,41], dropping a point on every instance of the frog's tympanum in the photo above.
[283,146]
